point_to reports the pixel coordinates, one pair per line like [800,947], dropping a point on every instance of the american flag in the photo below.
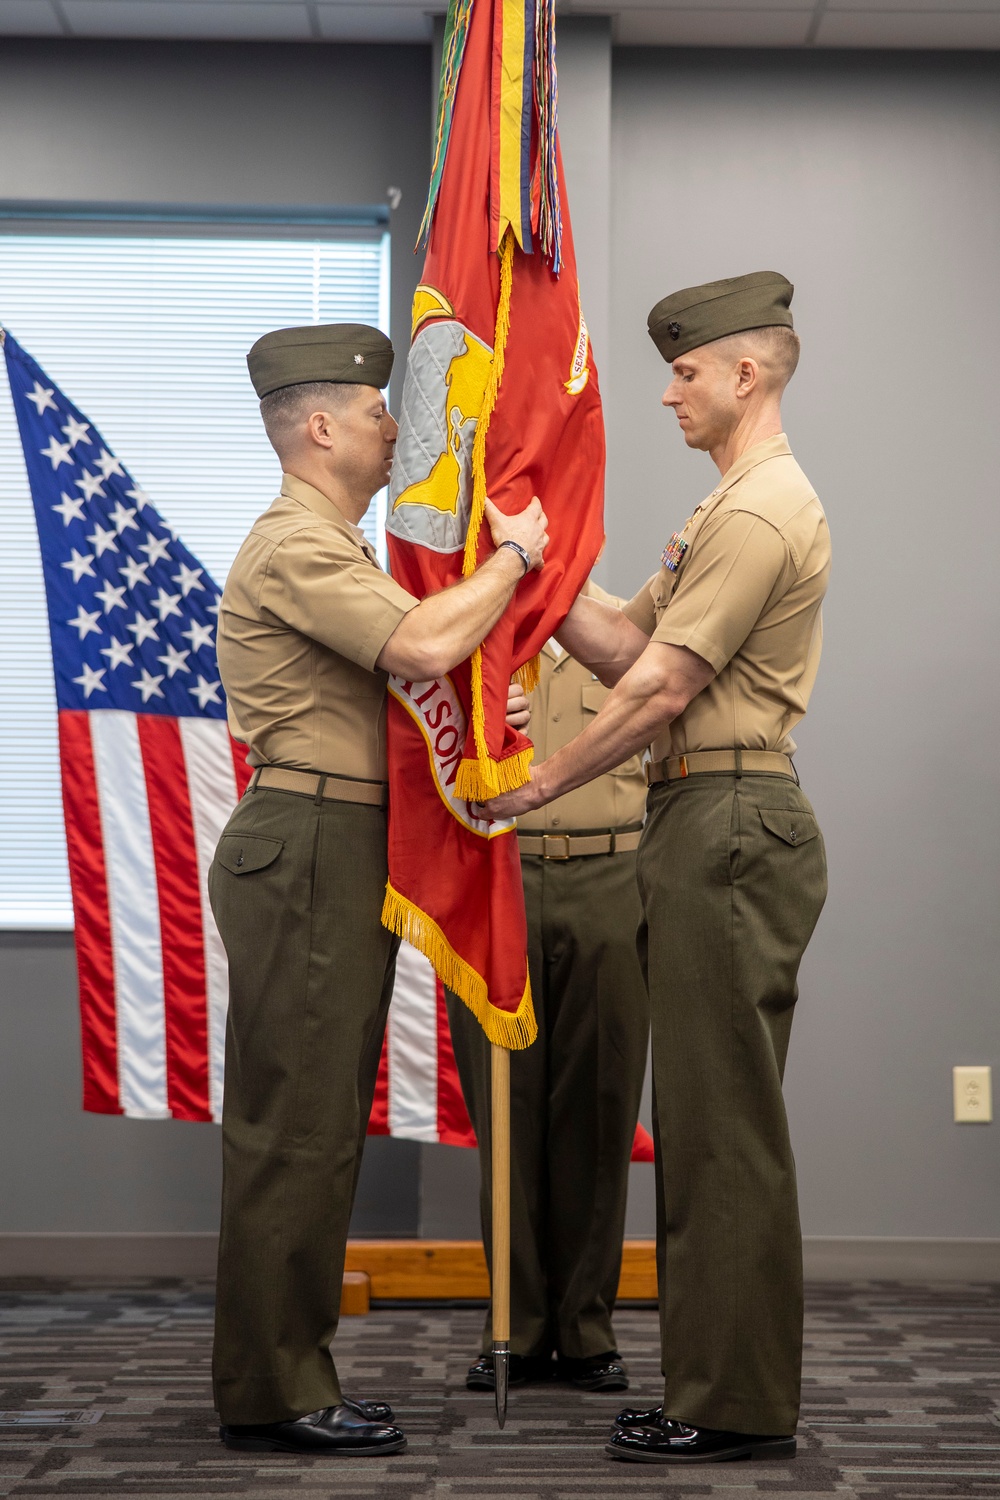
[150,775]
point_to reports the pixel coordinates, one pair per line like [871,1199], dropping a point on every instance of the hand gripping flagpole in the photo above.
[500,1287]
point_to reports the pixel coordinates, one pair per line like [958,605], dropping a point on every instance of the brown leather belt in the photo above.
[700,761]
[325,785]
[569,845]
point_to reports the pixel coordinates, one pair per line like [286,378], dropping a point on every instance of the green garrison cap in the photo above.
[349,353]
[700,314]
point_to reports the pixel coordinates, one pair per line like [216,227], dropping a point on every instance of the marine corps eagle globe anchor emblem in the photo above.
[430,493]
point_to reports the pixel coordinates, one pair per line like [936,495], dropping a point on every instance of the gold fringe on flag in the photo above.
[528,675]
[516,1030]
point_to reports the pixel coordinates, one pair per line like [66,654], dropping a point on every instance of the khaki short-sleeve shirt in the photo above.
[565,701]
[746,595]
[305,613]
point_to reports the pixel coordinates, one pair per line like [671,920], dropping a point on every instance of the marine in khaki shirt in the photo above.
[574,1093]
[309,628]
[746,595]
[714,662]
[305,614]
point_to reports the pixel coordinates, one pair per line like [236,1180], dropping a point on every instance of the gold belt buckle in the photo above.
[554,838]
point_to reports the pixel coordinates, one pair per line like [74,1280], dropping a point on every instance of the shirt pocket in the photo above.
[593,696]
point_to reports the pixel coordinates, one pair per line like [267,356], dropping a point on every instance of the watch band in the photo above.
[522,554]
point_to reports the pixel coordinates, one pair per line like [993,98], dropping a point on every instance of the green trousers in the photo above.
[296,888]
[574,1103]
[732,876]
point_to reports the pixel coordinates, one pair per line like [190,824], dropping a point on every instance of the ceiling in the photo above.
[684,23]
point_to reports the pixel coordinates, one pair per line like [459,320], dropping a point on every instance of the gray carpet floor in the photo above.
[104,1391]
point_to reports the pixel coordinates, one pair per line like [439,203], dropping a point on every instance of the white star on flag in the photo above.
[57,453]
[119,653]
[42,398]
[108,464]
[205,692]
[166,604]
[76,432]
[70,509]
[149,686]
[80,563]
[188,579]
[91,680]
[143,630]
[122,517]
[213,609]
[134,572]
[155,547]
[85,622]
[175,661]
[102,539]
[198,635]
[91,485]
[111,597]
[140,497]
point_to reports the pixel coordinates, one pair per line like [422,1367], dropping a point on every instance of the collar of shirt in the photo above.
[314,500]
[554,651]
[772,447]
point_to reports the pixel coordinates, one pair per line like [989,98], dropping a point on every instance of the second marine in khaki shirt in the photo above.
[575,1092]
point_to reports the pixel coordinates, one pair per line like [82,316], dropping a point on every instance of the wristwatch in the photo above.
[522,554]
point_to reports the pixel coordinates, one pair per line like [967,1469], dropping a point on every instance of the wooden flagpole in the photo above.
[500,1285]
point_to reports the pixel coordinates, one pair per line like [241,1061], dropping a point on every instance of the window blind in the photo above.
[148,336]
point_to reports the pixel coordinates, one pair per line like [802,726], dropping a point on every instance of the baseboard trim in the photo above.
[872,1258]
[457,1268]
[106,1255]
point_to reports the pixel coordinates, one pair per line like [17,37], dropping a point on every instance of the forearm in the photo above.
[651,694]
[602,638]
[635,713]
[446,627]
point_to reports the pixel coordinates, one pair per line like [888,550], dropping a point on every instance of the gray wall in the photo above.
[873,181]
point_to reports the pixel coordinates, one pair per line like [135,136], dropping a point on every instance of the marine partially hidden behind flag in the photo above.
[500,399]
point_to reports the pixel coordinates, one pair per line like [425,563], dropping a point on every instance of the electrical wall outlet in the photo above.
[973,1095]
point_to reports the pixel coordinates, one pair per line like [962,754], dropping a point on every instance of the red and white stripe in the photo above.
[418,1095]
[146,798]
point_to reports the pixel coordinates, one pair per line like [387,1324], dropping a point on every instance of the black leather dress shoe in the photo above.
[335,1432]
[371,1411]
[523,1369]
[639,1416]
[668,1442]
[598,1372]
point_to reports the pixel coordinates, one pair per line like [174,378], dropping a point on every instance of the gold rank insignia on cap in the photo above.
[343,353]
[701,314]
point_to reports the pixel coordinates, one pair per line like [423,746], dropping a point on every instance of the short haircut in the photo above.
[775,348]
[282,409]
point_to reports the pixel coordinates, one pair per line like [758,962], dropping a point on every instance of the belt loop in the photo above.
[739,761]
[254,779]
[320,789]
[613,841]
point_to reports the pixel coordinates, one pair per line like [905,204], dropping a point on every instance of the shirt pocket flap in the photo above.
[242,854]
[789,824]
[593,696]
